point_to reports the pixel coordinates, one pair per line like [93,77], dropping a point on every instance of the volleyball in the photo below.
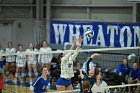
[89,33]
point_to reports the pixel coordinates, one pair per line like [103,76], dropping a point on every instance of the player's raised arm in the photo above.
[74,43]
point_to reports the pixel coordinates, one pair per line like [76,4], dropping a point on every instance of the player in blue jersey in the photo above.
[42,82]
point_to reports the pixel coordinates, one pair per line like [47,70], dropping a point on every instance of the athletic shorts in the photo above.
[31,62]
[20,64]
[63,82]
[10,62]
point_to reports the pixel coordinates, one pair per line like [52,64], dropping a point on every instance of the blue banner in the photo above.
[104,34]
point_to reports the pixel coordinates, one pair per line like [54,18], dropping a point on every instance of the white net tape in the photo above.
[82,50]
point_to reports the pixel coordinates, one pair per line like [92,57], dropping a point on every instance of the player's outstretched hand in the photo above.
[94,55]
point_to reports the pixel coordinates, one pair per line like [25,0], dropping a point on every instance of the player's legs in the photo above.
[22,74]
[7,70]
[16,75]
[69,87]
[35,69]
[64,84]
[30,72]
[12,69]
[60,88]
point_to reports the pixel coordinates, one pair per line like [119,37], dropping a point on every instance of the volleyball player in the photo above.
[42,82]
[99,85]
[10,60]
[64,82]
[89,64]
[31,61]
[45,59]
[20,64]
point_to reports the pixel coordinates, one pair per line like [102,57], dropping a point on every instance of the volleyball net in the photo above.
[107,62]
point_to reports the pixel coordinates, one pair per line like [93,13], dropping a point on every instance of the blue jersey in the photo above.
[40,85]
[135,73]
[124,70]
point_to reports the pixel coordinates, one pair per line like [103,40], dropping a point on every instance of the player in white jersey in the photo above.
[31,61]
[20,64]
[45,59]
[10,60]
[67,72]
[99,85]
[1,58]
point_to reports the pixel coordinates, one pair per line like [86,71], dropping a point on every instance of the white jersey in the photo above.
[1,52]
[45,58]
[101,88]
[10,58]
[67,65]
[32,57]
[20,59]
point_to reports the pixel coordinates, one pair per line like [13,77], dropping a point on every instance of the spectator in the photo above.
[123,71]
[134,75]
